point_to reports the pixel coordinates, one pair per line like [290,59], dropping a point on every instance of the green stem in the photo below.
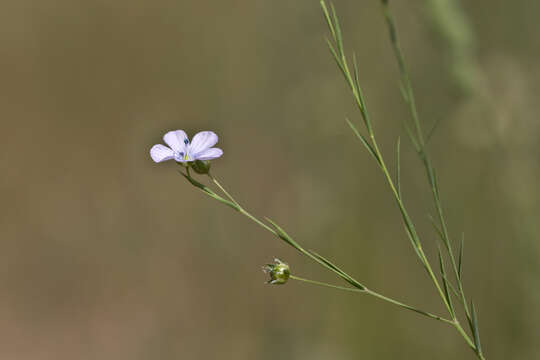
[326,284]
[377,295]
[359,288]
[341,60]
[462,332]
[421,150]
[214,180]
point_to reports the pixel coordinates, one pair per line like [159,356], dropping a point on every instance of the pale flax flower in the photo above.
[181,150]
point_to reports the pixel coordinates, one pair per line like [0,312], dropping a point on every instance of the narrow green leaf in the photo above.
[357,88]
[363,140]
[284,236]
[435,181]
[338,59]
[338,36]
[328,20]
[414,244]
[403,92]
[412,137]
[209,191]
[456,293]
[398,167]
[460,258]
[437,228]
[338,271]
[196,183]
[432,130]
[359,96]
[475,331]
[445,282]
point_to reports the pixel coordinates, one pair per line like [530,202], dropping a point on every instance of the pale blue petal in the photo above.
[209,154]
[203,141]
[161,153]
[177,140]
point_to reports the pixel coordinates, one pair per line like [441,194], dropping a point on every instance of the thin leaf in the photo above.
[327,17]
[437,228]
[475,331]
[398,167]
[363,140]
[208,191]
[403,92]
[445,282]
[456,293]
[460,258]
[357,88]
[412,137]
[359,96]
[338,36]
[432,130]
[414,245]
[337,270]
[337,58]
[284,236]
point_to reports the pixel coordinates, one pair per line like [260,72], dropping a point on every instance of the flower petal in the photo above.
[209,154]
[203,141]
[161,153]
[177,140]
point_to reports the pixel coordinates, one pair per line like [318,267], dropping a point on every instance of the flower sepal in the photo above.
[200,166]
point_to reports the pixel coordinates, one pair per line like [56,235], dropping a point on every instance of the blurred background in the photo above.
[106,255]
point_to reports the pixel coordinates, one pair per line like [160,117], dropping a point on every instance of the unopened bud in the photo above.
[200,166]
[279,272]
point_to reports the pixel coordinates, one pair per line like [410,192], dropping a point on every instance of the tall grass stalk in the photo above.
[448,285]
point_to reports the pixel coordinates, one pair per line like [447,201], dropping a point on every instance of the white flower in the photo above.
[181,150]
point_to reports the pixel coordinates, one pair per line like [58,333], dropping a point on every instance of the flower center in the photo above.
[182,156]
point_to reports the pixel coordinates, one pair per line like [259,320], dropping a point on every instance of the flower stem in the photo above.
[314,282]
[359,288]
[214,180]
[377,295]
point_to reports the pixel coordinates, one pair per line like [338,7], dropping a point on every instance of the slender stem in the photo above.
[214,180]
[409,224]
[462,332]
[326,284]
[377,295]
[359,288]
[421,150]
[408,307]
[358,97]
[406,81]
[310,255]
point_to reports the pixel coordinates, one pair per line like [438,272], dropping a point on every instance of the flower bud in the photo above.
[279,272]
[200,166]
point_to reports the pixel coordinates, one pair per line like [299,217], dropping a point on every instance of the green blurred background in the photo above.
[106,255]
